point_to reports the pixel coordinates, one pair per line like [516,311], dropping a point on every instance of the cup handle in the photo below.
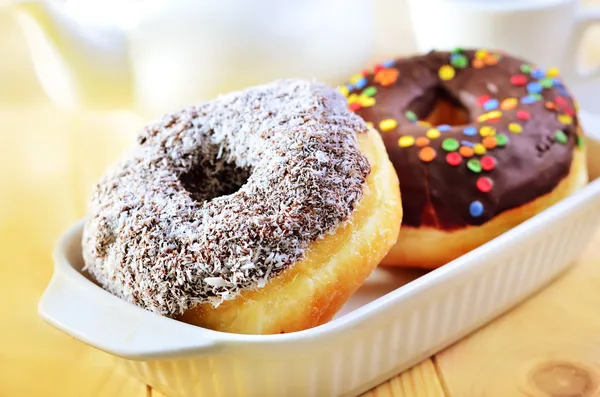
[583,20]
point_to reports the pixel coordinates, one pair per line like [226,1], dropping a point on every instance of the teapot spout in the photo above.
[78,66]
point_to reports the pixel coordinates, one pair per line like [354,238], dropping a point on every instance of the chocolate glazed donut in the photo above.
[480,140]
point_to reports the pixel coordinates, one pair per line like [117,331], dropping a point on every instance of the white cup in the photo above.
[545,32]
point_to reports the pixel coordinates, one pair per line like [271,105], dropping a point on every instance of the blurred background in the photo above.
[52,151]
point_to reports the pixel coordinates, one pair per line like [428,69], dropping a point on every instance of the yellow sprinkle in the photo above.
[576,104]
[433,133]
[515,128]
[366,101]
[388,124]
[406,141]
[482,117]
[479,149]
[343,89]
[369,124]
[509,103]
[494,114]
[423,123]
[481,54]
[487,130]
[552,72]
[355,78]
[352,98]
[446,72]
[564,119]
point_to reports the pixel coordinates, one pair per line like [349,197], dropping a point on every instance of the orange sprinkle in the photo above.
[490,142]
[423,123]
[422,141]
[490,60]
[509,103]
[427,154]
[466,151]
[550,105]
[477,63]
[386,77]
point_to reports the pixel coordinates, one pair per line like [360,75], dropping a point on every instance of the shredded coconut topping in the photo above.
[223,196]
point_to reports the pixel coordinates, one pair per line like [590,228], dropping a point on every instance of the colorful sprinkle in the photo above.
[427,154]
[488,163]
[446,72]
[560,137]
[424,123]
[422,141]
[474,165]
[477,63]
[523,115]
[410,115]
[344,90]
[534,87]
[564,119]
[561,101]
[466,151]
[443,127]
[490,60]
[470,131]
[369,91]
[494,115]
[490,142]
[580,141]
[509,103]
[538,74]
[459,61]
[356,77]
[481,54]
[450,144]
[552,72]
[453,158]
[366,101]
[491,104]
[467,143]
[476,209]
[518,79]
[388,64]
[387,124]
[354,106]
[487,130]
[433,133]
[528,100]
[484,184]
[515,128]
[479,149]
[526,68]
[406,141]
[386,77]
[501,140]
[352,98]
[482,100]
[362,83]
[550,105]
[547,83]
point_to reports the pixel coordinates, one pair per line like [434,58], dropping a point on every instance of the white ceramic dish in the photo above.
[394,321]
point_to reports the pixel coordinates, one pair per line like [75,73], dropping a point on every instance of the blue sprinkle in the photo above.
[443,128]
[528,100]
[557,82]
[490,104]
[360,84]
[470,131]
[563,91]
[388,64]
[349,86]
[476,209]
[534,87]
[538,73]
[467,143]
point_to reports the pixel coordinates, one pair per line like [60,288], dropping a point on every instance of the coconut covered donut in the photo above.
[259,212]
[481,141]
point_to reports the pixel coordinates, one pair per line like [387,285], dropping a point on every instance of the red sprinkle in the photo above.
[377,68]
[484,184]
[488,163]
[482,99]
[560,101]
[518,79]
[366,72]
[453,158]
[569,111]
[354,106]
[523,115]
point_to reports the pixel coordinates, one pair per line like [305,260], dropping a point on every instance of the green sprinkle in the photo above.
[525,68]
[537,96]
[546,83]
[501,139]
[580,141]
[457,50]
[474,165]
[459,61]
[450,144]
[369,91]
[560,136]
[411,115]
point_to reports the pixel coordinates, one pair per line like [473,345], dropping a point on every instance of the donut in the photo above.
[481,141]
[258,212]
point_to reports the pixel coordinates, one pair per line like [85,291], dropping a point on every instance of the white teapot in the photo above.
[157,55]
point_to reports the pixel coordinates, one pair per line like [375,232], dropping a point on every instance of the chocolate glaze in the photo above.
[437,194]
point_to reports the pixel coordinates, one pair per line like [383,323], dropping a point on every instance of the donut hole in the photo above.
[214,177]
[437,106]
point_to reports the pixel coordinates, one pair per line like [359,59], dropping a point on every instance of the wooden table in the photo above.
[548,346]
